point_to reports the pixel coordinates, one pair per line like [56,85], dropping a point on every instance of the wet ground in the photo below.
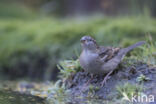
[10,97]
[81,87]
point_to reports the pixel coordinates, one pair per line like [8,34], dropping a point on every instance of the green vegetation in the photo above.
[68,68]
[128,90]
[58,93]
[16,10]
[144,54]
[33,43]
[149,51]
[142,78]
[48,40]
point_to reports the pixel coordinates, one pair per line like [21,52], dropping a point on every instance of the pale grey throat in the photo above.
[92,61]
[88,43]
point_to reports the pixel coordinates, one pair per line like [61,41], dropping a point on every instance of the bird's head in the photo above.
[88,42]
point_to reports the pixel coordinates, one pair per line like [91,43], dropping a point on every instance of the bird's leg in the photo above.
[106,78]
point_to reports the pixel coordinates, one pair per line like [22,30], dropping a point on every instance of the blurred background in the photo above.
[36,34]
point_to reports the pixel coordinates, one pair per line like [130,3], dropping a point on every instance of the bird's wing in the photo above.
[102,51]
[107,53]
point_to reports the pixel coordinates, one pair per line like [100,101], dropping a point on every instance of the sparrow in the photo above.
[100,60]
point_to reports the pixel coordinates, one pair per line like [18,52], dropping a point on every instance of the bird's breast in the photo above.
[88,61]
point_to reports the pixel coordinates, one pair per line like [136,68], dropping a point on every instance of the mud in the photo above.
[83,86]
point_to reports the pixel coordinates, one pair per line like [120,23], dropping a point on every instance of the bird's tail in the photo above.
[134,46]
[113,63]
[123,51]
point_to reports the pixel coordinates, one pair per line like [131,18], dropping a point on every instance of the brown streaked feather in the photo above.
[107,52]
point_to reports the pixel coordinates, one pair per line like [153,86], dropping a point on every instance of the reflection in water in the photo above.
[10,97]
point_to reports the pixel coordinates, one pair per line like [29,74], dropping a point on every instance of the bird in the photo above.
[100,60]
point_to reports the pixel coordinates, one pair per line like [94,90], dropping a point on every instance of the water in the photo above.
[10,97]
